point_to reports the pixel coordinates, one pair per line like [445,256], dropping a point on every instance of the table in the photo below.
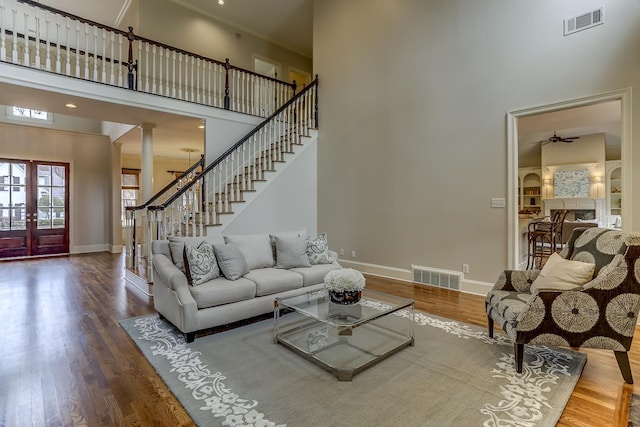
[344,339]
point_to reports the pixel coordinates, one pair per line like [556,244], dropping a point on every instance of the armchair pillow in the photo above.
[563,274]
[291,251]
[231,261]
[200,263]
[318,250]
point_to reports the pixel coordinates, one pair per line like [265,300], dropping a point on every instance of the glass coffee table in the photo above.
[344,339]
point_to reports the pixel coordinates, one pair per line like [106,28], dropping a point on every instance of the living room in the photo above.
[408,178]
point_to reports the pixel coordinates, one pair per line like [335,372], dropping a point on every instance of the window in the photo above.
[29,114]
[130,187]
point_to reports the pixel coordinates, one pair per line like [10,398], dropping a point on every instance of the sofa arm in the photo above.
[516,280]
[167,274]
[333,254]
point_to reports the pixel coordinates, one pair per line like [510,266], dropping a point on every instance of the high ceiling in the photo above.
[287,23]
[597,118]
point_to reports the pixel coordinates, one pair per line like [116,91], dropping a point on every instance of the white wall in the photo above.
[90,186]
[413,99]
[180,27]
[288,203]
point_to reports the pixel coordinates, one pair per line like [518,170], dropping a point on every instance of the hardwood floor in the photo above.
[64,359]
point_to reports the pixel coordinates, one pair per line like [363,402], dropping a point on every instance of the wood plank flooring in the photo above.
[64,359]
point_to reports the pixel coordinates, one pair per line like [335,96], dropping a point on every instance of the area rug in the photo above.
[634,411]
[454,376]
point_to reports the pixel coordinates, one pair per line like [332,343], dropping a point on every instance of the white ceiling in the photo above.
[596,118]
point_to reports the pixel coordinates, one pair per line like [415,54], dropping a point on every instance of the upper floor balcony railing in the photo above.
[44,38]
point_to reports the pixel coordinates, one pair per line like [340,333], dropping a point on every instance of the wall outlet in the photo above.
[353,254]
[465,268]
[341,251]
[497,202]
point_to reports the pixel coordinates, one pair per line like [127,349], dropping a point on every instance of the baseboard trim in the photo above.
[474,287]
[116,249]
[89,249]
[138,282]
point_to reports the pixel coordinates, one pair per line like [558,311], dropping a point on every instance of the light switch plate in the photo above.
[497,202]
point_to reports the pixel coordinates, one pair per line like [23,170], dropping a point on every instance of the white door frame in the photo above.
[624,95]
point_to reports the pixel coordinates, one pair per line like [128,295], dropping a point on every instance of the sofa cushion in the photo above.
[291,251]
[256,249]
[563,274]
[315,274]
[200,263]
[223,291]
[176,245]
[273,280]
[231,261]
[318,250]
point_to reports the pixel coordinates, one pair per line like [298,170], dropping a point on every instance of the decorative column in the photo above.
[146,162]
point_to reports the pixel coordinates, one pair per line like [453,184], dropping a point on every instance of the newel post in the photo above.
[131,64]
[227,101]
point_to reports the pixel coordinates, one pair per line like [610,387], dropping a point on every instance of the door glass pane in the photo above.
[18,217]
[44,217]
[44,175]
[57,196]
[58,176]
[5,220]
[13,196]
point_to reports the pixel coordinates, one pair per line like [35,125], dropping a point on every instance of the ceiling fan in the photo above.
[555,138]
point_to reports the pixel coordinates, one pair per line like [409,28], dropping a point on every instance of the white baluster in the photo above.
[192,96]
[120,70]
[25,58]
[215,85]
[173,78]
[37,45]
[68,52]
[112,77]
[208,83]
[197,81]
[14,54]
[146,67]
[58,49]
[104,55]
[95,54]
[3,40]
[180,75]
[139,71]
[77,50]
[161,90]
[154,86]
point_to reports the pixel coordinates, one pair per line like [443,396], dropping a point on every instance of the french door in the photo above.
[34,208]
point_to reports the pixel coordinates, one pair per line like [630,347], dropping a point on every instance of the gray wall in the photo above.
[413,99]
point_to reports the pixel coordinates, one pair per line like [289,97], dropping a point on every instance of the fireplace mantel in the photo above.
[585,203]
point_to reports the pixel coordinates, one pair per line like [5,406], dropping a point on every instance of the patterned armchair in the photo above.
[601,314]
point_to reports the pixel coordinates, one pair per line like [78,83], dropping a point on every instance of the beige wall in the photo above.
[413,146]
[90,185]
[180,27]
[161,166]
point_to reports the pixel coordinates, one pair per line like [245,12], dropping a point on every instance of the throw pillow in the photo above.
[563,274]
[256,249]
[231,261]
[200,263]
[291,251]
[318,250]
[176,245]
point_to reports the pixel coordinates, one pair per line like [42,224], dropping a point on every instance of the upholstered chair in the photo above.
[602,313]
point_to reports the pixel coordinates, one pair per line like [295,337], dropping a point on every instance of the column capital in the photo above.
[146,127]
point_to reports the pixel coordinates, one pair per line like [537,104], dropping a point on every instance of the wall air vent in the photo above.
[440,278]
[584,21]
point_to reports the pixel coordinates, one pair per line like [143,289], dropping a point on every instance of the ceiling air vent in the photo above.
[583,21]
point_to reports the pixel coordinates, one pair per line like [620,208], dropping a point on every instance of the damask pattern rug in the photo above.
[454,376]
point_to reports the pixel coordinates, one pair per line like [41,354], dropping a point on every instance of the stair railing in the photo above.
[44,38]
[135,224]
[223,183]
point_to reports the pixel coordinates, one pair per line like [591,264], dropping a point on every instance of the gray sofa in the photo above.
[279,265]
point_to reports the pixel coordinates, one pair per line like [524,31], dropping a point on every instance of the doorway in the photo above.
[34,208]
[514,196]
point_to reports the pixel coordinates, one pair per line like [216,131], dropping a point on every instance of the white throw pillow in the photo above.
[318,250]
[563,274]
[256,249]
[291,251]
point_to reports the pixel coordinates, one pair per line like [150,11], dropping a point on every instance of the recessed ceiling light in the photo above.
[70,105]
[221,2]
[201,127]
